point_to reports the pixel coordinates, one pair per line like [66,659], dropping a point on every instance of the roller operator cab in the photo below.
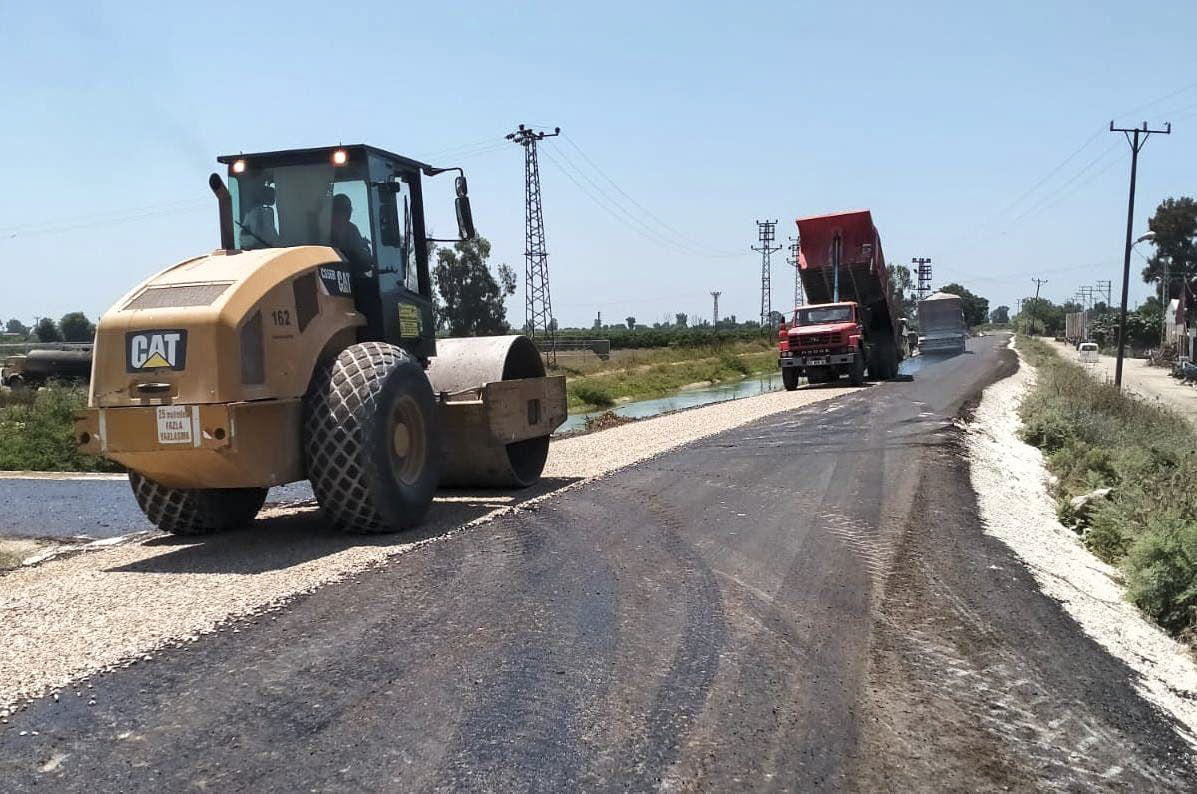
[305,348]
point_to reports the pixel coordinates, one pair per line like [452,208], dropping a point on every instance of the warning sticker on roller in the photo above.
[175,424]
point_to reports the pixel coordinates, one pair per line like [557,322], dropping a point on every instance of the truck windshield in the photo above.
[316,204]
[823,314]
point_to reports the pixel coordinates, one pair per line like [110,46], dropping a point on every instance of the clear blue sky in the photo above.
[938,116]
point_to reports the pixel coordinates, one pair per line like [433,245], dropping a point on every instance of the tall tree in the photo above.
[681,319]
[470,296]
[631,321]
[76,327]
[1000,315]
[902,283]
[15,326]
[976,308]
[1175,227]
[47,331]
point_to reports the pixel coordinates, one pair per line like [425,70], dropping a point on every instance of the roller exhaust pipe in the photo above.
[224,201]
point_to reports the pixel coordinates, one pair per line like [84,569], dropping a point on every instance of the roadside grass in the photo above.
[584,364]
[1094,436]
[658,374]
[36,432]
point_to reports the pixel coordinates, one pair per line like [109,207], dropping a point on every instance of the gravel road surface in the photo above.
[1154,384]
[804,602]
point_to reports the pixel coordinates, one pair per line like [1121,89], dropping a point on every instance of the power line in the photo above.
[611,206]
[678,234]
[1062,190]
[614,207]
[102,219]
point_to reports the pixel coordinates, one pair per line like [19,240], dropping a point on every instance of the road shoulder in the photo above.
[982,681]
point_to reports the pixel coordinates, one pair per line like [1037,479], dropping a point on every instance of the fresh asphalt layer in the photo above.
[87,508]
[807,602]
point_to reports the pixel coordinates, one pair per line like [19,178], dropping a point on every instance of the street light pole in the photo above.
[1136,143]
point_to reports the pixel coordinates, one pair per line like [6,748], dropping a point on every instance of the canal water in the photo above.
[715,393]
[686,398]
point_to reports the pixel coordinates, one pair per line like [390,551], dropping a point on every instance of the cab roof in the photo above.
[285,157]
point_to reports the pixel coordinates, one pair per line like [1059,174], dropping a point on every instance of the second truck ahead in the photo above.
[942,328]
[850,324]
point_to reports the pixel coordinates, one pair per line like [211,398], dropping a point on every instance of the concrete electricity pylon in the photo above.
[715,312]
[538,305]
[766,233]
[792,259]
[922,271]
[1140,136]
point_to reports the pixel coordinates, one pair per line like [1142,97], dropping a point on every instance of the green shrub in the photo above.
[1095,436]
[1161,572]
[734,363]
[590,394]
[36,431]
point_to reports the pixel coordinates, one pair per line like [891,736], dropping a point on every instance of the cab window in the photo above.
[392,212]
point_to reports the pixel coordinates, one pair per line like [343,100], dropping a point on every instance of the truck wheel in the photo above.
[195,511]
[876,364]
[789,378]
[372,440]
[856,375]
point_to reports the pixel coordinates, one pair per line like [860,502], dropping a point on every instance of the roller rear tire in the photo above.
[195,511]
[371,439]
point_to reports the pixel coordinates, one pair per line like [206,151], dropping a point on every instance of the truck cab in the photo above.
[823,342]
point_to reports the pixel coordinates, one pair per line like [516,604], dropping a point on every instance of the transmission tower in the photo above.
[538,311]
[715,313]
[1106,288]
[922,266]
[792,259]
[765,232]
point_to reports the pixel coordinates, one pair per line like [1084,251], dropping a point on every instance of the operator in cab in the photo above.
[346,237]
[258,229]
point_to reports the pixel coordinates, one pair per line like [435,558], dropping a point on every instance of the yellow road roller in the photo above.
[305,348]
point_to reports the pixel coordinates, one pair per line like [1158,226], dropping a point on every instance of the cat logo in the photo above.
[156,350]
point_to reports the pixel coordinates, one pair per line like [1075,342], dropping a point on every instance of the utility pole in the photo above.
[1136,137]
[1105,287]
[922,269]
[765,232]
[1018,313]
[792,259]
[538,306]
[1039,282]
[715,313]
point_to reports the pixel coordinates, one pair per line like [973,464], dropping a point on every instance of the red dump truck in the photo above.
[849,324]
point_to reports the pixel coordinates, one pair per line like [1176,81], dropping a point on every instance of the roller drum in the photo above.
[471,457]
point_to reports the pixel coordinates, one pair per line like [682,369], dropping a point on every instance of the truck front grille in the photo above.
[812,340]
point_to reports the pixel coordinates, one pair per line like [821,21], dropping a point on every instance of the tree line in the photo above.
[1172,268]
[74,327]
